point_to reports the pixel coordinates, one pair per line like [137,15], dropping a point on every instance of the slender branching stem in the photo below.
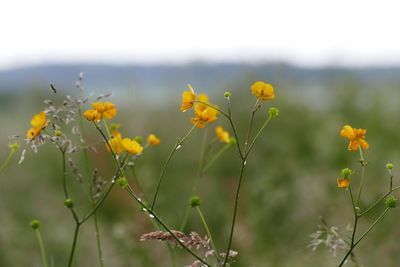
[257,135]
[178,143]
[373,206]
[71,256]
[155,216]
[362,180]
[253,112]
[7,160]
[203,220]
[41,245]
[216,157]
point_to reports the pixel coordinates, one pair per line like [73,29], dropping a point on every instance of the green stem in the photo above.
[373,206]
[215,157]
[7,160]
[362,180]
[155,216]
[203,220]
[42,249]
[176,146]
[355,218]
[71,256]
[363,235]
[234,212]
[254,110]
[258,135]
[185,218]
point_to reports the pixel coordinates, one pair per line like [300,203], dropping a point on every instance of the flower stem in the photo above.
[42,249]
[203,220]
[153,214]
[362,180]
[254,110]
[176,146]
[71,256]
[215,157]
[7,160]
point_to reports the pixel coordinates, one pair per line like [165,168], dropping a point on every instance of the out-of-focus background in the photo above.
[330,63]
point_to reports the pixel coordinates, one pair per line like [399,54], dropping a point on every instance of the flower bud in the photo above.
[14,146]
[232,141]
[273,112]
[391,202]
[139,139]
[58,133]
[123,182]
[69,203]
[227,94]
[389,166]
[35,224]
[114,127]
[346,172]
[194,202]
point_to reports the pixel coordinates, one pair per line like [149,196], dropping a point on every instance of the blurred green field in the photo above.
[290,179]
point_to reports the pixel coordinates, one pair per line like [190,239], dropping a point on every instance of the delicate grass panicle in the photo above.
[66,125]
[329,236]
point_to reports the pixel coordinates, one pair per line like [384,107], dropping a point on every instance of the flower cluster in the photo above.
[38,123]
[101,110]
[204,111]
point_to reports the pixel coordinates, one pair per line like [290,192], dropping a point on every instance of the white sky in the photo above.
[306,32]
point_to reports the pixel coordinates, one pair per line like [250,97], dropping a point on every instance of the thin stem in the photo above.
[176,146]
[229,117]
[71,256]
[372,226]
[234,213]
[362,180]
[215,157]
[363,235]
[185,218]
[258,135]
[203,220]
[155,216]
[7,160]
[254,110]
[98,240]
[42,249]
[378,201]
[201,161]
[355,218]
[64,177]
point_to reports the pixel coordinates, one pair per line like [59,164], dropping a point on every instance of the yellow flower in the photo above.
[222,135]
[132,146]
[153,140]
[38,123]
[92,115]
[263,91]
[187,99]
[355,136]
[116,143]
[106,109]
[343,182]
[203,113]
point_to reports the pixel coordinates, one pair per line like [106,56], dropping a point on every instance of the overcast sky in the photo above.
[307,32]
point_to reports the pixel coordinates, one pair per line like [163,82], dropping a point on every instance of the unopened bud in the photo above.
[35,224]
[123,182]
[194,202]
[346,172]
[69,203]
[227,94]
[391,202]
[273,112]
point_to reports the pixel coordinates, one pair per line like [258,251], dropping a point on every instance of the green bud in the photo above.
[123,182]
[232,141]
[138,139]
[114,126]
[194,202]
[14,146]
[227,94]
[273,112]
[57,132]
[69,203]
[346,172]
[391,202]
[389,166]
[35,224]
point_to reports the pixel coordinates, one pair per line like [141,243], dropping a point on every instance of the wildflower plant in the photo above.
[347,182]
[65,124]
